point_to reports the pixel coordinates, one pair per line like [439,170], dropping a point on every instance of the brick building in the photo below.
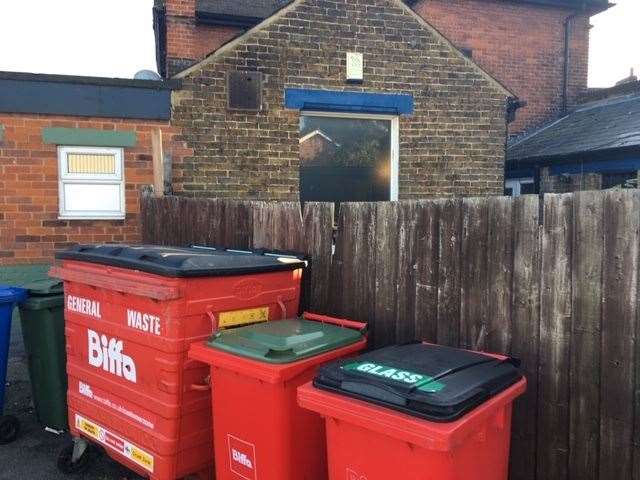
[74,155]
[413,117]
[538,49]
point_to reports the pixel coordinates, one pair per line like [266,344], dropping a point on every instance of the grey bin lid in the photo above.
[184,262]
[433,382]
[284,341]
[45,287]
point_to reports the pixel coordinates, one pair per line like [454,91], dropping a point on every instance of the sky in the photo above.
[102,38]
[114,38]
[615,43]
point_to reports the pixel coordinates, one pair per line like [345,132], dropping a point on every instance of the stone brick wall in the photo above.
[30,231]
[522,45]
[453,144]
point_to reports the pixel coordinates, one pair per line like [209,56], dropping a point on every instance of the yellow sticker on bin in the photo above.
[243,317]
[115,442]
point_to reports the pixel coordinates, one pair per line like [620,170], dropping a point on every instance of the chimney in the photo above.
[630,79]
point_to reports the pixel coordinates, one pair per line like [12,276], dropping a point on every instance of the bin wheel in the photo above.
[66,464]
[9,429]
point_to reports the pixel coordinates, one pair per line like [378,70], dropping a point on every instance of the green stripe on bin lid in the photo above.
[418,381]
[88,137]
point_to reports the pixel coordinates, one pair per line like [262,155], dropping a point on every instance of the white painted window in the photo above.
[348,157]
[91,183]
[514,187]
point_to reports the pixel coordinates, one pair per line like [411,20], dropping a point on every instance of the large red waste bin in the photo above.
[130,315]
[416,411]
[260,433]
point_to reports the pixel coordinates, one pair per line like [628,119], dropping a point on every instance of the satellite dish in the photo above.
[147,75]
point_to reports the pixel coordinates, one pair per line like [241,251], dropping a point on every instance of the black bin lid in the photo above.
[183,262]
[433,382]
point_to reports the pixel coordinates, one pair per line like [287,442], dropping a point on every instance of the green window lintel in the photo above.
[88,137]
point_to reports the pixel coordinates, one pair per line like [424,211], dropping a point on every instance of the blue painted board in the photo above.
[348,101]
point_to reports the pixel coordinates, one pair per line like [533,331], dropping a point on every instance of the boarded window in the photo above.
[245,90]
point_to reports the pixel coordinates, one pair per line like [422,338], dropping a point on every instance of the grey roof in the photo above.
[258,9]
[603,125]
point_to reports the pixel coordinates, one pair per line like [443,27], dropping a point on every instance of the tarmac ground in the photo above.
[34,454]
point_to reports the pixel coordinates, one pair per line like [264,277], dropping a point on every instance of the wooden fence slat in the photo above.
[499,273]
[386,280]
[190,211]
[473,280]
[449,261]
[405,292]
[216,227]
[555,329]
[426,289]
[619,311]
[353,267]
[341,276]
[584,406]
[238,228]
[278,226]
[171,232]
[318,237]
[526,332]
[145,217]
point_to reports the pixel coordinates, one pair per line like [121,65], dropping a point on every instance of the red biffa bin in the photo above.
[130,315]
[260,433]
[416,411]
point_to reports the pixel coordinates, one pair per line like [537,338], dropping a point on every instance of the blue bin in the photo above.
[9,297]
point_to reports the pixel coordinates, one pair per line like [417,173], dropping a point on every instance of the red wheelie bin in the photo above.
[131,313]
[417,411]
[260,433]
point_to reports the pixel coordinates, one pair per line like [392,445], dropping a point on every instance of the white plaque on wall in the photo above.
[355,67]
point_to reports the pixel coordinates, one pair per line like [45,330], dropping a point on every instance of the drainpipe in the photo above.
[567,48]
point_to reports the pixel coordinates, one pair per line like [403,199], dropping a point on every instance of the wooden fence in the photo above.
[551,281]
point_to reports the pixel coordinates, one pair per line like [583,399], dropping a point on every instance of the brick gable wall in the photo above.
[452,145]
[30,231]
[522,45]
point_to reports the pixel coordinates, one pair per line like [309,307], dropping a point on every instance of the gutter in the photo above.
[568,23]
[165,84]
[221,19]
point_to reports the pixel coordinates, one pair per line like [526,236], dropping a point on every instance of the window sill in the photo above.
[91,217]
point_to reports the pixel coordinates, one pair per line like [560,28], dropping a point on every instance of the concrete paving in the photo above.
[34,454]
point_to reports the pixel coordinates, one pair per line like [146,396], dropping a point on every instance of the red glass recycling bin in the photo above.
[130,315]
[377,426]
[260,433]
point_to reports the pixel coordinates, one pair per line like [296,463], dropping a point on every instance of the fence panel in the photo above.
[551,281]
[525,340]
[619,310]
[584,426]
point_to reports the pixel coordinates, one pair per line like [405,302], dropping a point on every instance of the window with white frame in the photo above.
[348,157]
[514,187]
[91,183]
